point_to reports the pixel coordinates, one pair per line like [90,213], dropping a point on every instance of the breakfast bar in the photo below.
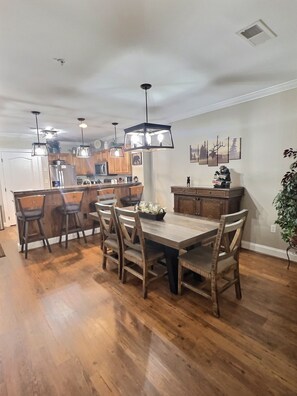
[53,200]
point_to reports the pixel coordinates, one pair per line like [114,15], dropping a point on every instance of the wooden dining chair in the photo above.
[216,262]
[106,196]
[110,243]
[138,257]
[134,197]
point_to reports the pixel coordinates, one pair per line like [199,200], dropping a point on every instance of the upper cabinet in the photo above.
[121,165]
[86,166]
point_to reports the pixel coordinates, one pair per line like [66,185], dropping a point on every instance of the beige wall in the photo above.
[267,126]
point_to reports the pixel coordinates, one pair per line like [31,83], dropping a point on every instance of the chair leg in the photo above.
[94,226]
[76,225]
[145,281]
[61,229]
[81,227]
[180,278]
[44,237]
[214,298]
[124,273]
[237,284]
[104,252]
[66,231]
[26,238]
[41,232]
[23,237]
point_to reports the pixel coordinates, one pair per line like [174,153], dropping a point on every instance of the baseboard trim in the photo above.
[54,240]
[270,251]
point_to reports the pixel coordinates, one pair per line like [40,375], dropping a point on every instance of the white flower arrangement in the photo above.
[149,207]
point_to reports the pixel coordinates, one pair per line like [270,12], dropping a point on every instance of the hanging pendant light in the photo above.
[38,149]
[83,151]
[148,136]
[116,150]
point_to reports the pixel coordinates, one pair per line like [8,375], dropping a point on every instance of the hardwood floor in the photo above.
[69,328]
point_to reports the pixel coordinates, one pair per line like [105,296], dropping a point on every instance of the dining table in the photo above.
[175,233]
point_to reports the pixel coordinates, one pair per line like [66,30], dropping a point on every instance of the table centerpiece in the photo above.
[150,211]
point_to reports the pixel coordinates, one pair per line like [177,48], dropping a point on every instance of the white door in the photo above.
[19,171]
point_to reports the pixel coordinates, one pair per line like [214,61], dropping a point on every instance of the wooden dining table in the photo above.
[175,232]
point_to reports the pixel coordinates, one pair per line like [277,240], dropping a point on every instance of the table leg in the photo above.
[171,256]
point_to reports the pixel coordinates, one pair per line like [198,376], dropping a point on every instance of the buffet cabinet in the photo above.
[207,202]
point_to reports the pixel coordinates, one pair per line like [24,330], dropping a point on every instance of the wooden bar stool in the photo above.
[134,197]
[71,208]
[31,209]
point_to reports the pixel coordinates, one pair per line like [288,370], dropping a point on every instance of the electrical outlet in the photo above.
[273,228]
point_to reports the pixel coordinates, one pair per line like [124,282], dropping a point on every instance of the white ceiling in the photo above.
[188,50]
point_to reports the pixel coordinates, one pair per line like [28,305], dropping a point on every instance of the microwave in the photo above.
[101,169]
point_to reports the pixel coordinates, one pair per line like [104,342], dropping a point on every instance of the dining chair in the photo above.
[134,197]
[110,243]
[105,196]
[216,262]
[138,258]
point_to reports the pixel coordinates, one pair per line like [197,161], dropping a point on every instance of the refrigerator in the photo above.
[62,175]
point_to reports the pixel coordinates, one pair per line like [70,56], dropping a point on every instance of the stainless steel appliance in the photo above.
[62,175]
[101,169]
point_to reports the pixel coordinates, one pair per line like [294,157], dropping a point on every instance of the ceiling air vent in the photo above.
[257,33]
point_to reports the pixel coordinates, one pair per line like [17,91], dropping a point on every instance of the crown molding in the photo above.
[262,93]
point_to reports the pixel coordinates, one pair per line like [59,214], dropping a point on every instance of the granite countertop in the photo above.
[77,187]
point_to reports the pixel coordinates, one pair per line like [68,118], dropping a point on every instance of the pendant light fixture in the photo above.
[83,151]
[38,149]
[116,150]
[148,136]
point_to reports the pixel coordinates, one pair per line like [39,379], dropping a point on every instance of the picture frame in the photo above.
[213,152]
[136,159]
[234,148]
[194,153]
[223,151]
[203,153]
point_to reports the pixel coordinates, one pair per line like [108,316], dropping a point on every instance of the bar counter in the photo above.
[53,199]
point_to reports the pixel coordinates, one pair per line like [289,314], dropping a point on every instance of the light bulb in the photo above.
[160,137]
[148,138]
[83,125]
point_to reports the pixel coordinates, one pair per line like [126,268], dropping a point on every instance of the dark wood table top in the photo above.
[177,231]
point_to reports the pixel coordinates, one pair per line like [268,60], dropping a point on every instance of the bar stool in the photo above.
[134,197]
[71,208]
[31,209]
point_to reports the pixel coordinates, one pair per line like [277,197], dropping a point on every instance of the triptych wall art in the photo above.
[216,151]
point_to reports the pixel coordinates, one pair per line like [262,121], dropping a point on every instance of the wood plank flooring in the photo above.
[69,328]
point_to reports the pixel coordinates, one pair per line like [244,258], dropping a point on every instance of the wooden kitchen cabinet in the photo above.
[84,166]
[67,157]
[207,202]
[121,165]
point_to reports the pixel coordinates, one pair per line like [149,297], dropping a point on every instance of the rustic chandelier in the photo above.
[148,136]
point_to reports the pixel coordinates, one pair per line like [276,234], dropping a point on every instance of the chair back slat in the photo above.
[136,191]
[72,197]
[107,199]
[107,220]
[105,191]
[229,237]
[31,203]
[131,232]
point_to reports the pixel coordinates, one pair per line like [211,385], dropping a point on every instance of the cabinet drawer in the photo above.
[184,190]
[212,193]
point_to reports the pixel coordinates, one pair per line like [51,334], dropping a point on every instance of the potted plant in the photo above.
[286,202]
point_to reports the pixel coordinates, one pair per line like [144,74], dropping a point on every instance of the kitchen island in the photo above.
[53,200]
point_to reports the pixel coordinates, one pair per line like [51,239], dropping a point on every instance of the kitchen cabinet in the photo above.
[67,157]
[84,166]
[207,202]
[121,165]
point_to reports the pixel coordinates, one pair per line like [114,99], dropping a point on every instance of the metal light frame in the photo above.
[116,151]
[38,149]
[148,136]
[83,151]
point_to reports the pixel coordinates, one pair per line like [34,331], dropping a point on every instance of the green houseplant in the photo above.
[286,201]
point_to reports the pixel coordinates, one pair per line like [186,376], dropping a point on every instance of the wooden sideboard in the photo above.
[207,202]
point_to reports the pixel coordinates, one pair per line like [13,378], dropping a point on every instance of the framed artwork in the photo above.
[234,148]
[213,152]
[194,153]
[203,153]
[137,159]
[223,151]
